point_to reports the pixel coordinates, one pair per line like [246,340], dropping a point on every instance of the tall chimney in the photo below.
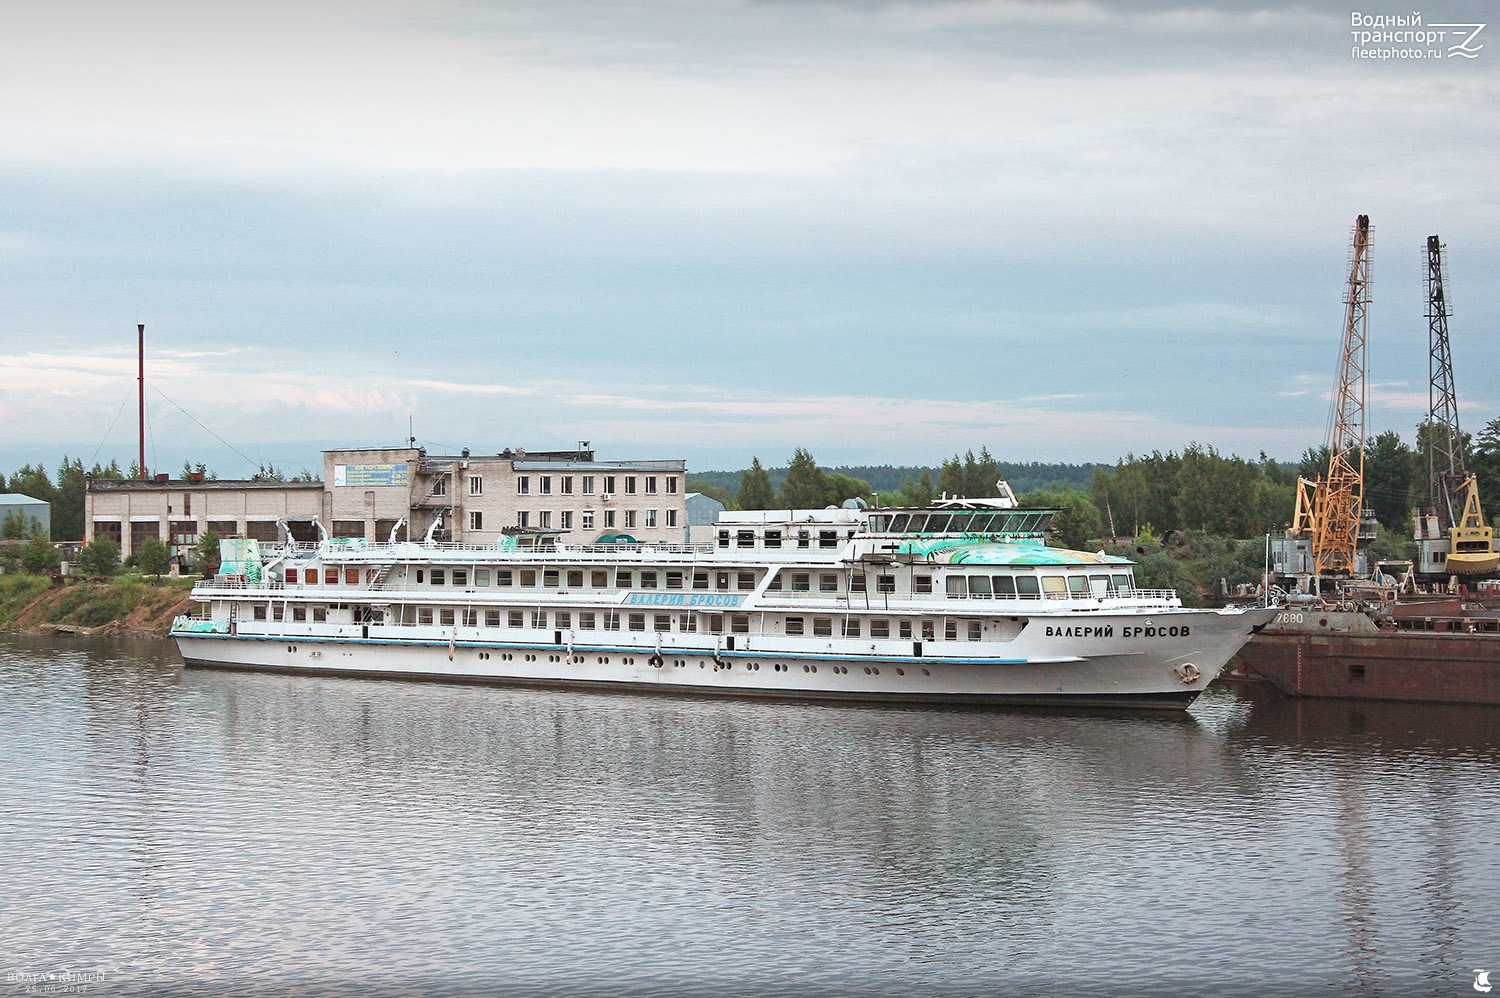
[141,331]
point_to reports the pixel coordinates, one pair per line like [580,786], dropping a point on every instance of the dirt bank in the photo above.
[123,606]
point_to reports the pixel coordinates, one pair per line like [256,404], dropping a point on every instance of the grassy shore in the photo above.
[125,604]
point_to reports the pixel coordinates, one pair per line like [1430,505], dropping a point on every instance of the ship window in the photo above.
[918,524]
[823,627]
[974,630]
[637,621]
[801,582]
[880,628]
[471,616]
[299,613]
[481,577]
[723,538]
[802,539]
[563,619]
[744,538]
[1005,586]
[550,578]
[648,580]
[958,586]
[885,583]
[1078,585]
[310,576]
[424,614]
[687,622]
[516,618]
[937,523]
[528,578]
[260,613]
[1055,586]
[904,628]
[851,627]
[921,583]
[794,625]
[330,576]
[775,583]
[1027,587]
[928,631]
[700,580]
[291,577]
[773,539]
[661,622]
[611,620]
[979,585]
[721,580]
[1356,673]
[585,620]
[439,576]
[320,615]
[898,523]
[856,583]
[715,623]
[420,576]
[351,576]
[276,612]
[1099,586]
[1121,583]
[575,580]
[746,580]
[828,583]
[950,629]
[492,618]
[599,580]
[622,580]
[828,538]
[539,619]
[674,580]
[503,577]
[445,617]
[739,623]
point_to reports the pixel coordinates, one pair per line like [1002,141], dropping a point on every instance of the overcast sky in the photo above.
[887,232]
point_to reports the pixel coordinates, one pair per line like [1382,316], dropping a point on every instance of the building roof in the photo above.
[179,484]
[15,499]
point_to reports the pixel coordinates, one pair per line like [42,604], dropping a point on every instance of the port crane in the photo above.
[1455,515]
[1329,508]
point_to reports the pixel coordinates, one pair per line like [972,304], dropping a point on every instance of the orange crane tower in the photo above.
[1329,508]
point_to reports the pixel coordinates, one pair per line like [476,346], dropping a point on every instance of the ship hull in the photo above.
[1170,677]
[1349,658]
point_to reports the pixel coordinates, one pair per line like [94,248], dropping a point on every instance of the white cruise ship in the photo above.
[961,602]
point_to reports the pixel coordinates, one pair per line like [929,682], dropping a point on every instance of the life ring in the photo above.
[1189,673]
[656,661]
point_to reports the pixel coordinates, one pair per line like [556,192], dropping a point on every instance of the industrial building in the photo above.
[32,509]
[377,494]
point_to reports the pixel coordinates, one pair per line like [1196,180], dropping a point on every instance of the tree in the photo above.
[101,556]
[39,556]
[1390,470]
[803,487]
[756,490]
[951,478]
[981,475]
[1486,465]
[67,512]
[839,488]
[206,553]
[152,557]
[1079,524]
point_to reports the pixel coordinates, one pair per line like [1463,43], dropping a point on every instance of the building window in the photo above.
[671,517]
[440,487]
[476,485]
[544,485]
[650,485]
[650,518]
[609,485]
[630,519]
[588,485]
[671,485]
[588,519]
[609,519]
[565,485]
[523,518]
[224,528]
[523,485]
[630,485]
[349,528]
[476,519]
[544,519]
[565,519]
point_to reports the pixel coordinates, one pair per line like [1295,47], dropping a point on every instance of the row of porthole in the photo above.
[842,670]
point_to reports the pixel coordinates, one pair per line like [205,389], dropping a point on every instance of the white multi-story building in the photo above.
[375,493]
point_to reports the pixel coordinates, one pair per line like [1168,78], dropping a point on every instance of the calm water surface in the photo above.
[171,832]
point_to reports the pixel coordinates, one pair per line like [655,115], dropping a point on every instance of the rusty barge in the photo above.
[1441,651]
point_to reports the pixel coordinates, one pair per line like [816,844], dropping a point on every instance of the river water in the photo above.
[200,832]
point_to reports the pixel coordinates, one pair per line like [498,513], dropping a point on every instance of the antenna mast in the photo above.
[141,367]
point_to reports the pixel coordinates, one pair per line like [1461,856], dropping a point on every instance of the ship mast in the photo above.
[1339,497]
